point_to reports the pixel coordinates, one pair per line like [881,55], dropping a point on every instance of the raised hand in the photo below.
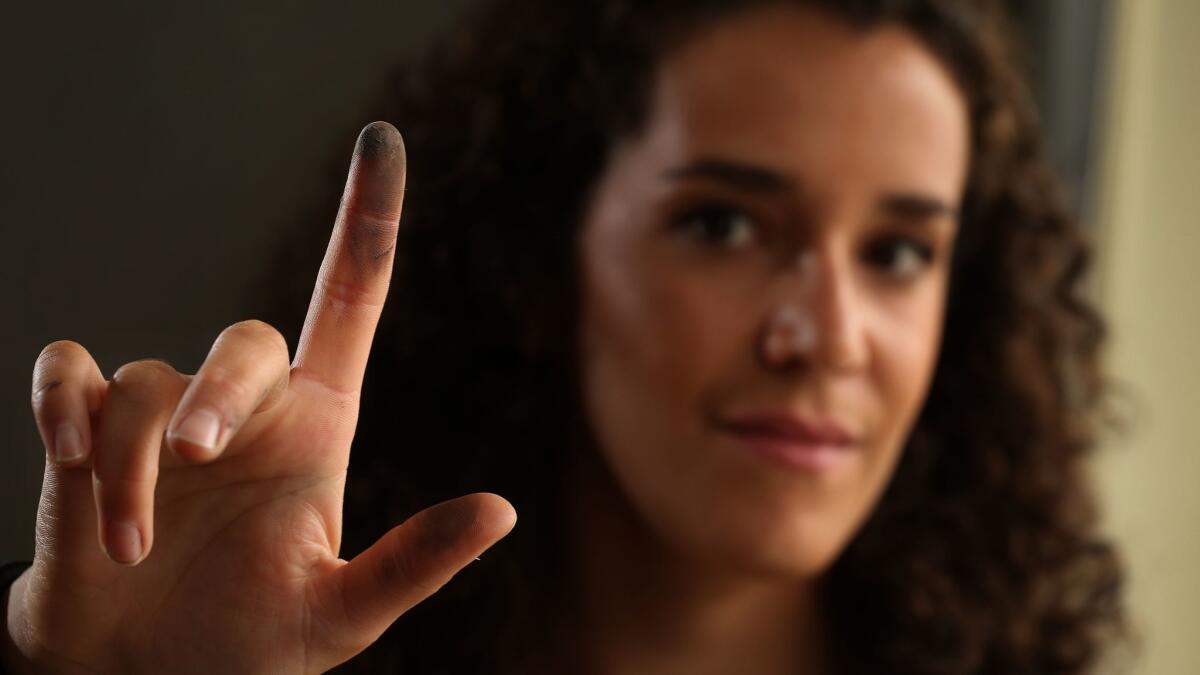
[191,523]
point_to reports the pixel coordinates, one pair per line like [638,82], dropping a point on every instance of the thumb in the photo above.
[405,566]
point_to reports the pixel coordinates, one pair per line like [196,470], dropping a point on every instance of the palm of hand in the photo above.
[245,574]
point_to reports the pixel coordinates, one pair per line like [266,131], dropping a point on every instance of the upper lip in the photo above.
[791,426]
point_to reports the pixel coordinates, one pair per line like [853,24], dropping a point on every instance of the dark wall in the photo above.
[153,156]
[156,153]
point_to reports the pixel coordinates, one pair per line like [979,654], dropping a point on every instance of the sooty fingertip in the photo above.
[379,140]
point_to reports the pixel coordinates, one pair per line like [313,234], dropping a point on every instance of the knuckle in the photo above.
[399,566]
[372,236]
[256,332]
[349,296]
[218,386]
[142,378]
[43,389]
[126,490]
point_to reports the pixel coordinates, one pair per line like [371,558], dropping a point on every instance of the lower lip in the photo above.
[812,457]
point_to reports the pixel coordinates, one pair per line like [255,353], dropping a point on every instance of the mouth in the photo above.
[793,441]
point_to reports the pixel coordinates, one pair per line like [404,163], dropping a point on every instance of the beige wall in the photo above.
[1149,284]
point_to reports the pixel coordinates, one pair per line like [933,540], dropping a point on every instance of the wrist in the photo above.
[12,660]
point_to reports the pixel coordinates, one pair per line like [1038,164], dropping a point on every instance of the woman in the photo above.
[763,315]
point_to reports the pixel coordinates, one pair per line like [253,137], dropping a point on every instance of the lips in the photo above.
[788,427]
[785,438]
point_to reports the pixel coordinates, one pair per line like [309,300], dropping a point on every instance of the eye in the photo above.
[901,258]
[718,225]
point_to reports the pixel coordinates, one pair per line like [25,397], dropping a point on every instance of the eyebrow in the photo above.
[736,174]
[915,206]
[905,205]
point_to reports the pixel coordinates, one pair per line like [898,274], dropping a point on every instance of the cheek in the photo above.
[653,336]
[906,340]
[653,333]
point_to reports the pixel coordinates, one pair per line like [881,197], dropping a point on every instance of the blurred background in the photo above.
[158,154]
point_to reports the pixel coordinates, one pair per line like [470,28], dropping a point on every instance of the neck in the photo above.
[644,607]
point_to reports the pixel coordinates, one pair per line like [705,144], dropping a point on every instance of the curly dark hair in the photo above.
[983,555]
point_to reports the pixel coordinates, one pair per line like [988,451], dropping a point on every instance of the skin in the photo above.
[857,148]
[234,566]
[164,548]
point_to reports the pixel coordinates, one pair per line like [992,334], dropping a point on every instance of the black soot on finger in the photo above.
[49,387]
[379,140]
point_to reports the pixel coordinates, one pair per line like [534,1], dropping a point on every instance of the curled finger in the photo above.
[245,372]
[67,390]
[137,407]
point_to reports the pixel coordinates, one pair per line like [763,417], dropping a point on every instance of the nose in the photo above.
[814,319]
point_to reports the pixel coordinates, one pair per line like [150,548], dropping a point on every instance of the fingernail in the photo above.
[124,542]
[68,444]
[200,427]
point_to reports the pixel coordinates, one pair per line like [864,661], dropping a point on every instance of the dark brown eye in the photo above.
[717,225]
[902,258]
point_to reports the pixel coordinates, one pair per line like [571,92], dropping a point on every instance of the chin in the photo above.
[801,560]
[799,548]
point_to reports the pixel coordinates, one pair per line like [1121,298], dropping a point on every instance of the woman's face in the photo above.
[764,270]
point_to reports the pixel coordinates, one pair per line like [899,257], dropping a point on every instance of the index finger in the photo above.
[353,281]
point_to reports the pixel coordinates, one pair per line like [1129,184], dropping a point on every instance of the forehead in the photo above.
[811,96]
